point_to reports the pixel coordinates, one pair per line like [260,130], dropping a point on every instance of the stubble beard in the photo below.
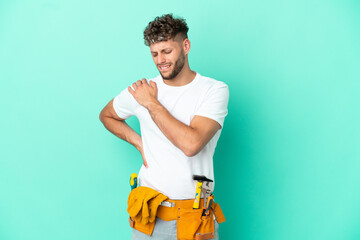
[179,65]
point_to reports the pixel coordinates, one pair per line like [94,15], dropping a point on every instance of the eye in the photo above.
[154,55]
[167,52]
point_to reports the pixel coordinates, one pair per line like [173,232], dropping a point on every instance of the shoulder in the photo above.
[212,84]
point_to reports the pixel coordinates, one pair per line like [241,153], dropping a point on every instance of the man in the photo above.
[181,114]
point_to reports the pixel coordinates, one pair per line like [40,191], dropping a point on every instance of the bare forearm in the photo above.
[181,135]
[122,130]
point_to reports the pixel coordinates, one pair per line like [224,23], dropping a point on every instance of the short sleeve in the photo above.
[124,104]
[214,105]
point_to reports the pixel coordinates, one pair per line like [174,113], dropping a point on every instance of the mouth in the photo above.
[164,67]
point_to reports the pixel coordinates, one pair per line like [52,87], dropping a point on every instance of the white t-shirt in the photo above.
[170,171]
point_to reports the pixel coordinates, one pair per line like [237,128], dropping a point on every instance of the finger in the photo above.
[144,160]
[144,81]
[143,157]
[145,163]
[153,84]
[131,91]
[138,82]
[134,86]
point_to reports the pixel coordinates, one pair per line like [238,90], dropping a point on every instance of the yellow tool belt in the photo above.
[190,222]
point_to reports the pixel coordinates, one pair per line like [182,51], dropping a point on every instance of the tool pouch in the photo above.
[188,222]
[144,228]
[192,225]
[206,229]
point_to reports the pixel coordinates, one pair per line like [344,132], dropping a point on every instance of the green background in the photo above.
[287,165]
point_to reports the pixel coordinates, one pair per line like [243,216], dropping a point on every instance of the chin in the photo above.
[166,75]
[165,78]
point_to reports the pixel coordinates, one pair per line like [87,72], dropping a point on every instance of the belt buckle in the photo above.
[167,204]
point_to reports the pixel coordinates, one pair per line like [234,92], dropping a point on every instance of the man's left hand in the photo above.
[144,93]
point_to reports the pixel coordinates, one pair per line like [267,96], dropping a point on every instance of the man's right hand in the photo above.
[119,127]
[141,150]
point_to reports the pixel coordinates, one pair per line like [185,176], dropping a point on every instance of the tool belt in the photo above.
[190,222]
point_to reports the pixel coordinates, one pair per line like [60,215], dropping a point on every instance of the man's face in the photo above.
[168,57]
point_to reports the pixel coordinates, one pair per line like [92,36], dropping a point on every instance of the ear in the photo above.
[186,46]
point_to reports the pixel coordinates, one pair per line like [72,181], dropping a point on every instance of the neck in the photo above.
[185,76]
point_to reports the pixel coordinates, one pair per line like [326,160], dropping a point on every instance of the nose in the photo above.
[161,58]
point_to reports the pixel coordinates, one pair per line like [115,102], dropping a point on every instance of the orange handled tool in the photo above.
[208,205]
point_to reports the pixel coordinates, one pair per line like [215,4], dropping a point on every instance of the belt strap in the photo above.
[171,213]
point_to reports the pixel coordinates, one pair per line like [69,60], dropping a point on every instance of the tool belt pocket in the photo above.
[191,224]
[219,215]
[144,228]
[188,222]
[206,229]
